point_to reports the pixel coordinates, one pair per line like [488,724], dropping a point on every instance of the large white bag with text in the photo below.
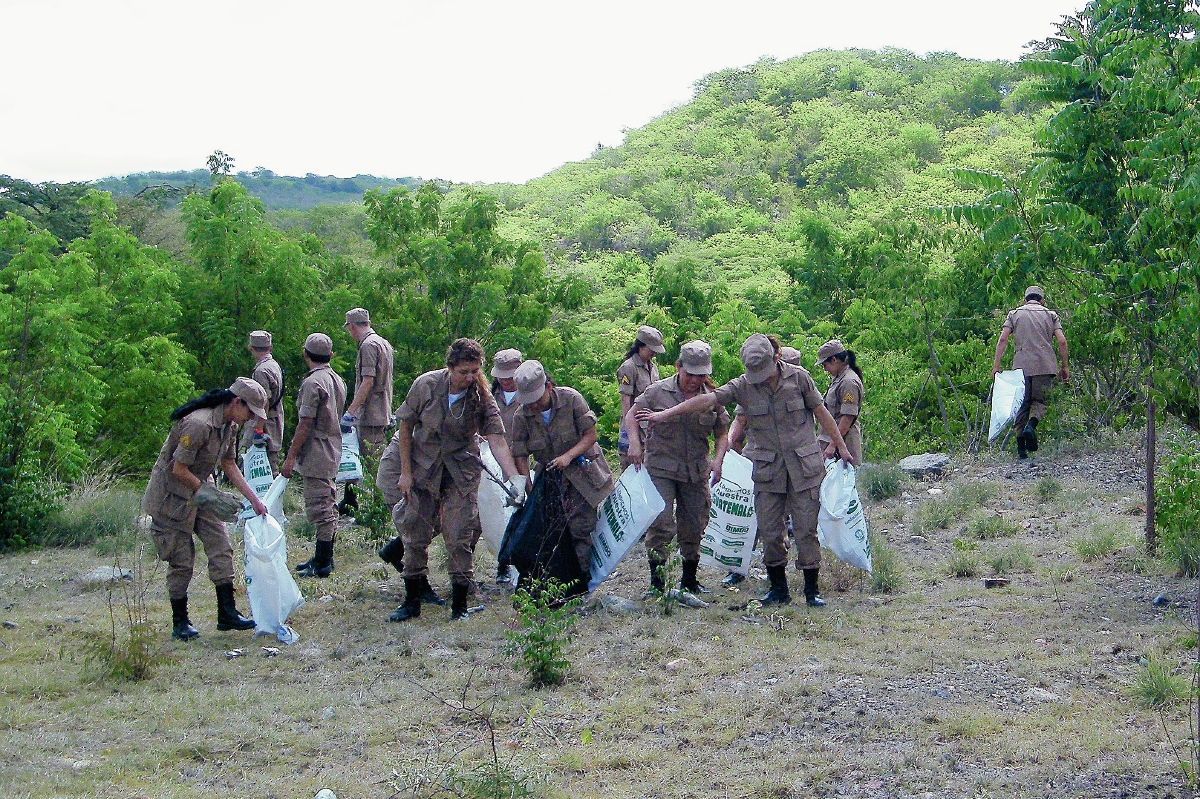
[270,586]
[1008,394]
[256,468]
[625,516]
[494,511]
[841,522]
[350,467]
[728,541]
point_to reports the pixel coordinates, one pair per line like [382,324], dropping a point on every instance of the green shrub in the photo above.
[373,514]
[1047,489]
[886,573]
[131,649]
[937,514]
[965,560]
[1101,542]
[965,496]
[98,511]
[542,631]
[880,481]
[1157,687]
[1013,559]
[986,528]
[1177,510]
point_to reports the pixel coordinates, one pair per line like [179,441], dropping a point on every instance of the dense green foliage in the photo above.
[273,191]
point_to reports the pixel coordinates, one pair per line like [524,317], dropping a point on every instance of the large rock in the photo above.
[931,463]
[107,574]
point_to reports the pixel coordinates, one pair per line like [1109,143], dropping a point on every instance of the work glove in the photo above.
[220,504]
[260,439]
[391,425]
[517,484]
[348,422]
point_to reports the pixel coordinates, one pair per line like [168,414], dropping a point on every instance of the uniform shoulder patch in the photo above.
[185,441]
[849,397]
[625,379]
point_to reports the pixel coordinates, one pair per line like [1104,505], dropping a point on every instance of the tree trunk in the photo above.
[1151,541]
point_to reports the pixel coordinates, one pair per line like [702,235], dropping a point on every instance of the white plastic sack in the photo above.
[256,468]
[270,586]
[625,516]
[728,542]
[494,511]
[1008,394]
[350,467]
[846,535]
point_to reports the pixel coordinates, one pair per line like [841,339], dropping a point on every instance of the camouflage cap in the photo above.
[251,393]
[1035,291]
[652,338]
[531,382]
[695,358]
[789,355]
[828,350]
[758,356]
[358,316]
[319,344]
[260,339]
[505,363]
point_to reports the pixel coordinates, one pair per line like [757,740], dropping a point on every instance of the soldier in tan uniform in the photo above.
[504,387]
[439,471]
[182,499]
[558,429]
[844,398]
[370,410]
[781,405]
[1035,331]
[268,374]
[676,455]
[635,374]
[317,449]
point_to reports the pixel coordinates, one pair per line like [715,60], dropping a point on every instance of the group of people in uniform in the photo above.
[678,429]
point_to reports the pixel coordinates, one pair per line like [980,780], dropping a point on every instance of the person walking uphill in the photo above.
[317,449]
[636,374]
[844,398]
[182,499]
[781,404]
[268,374]
[558,429]
[676,456]
[440,470]
[370,410]
[1035,331]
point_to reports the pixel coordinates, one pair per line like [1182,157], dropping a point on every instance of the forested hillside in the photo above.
[275,191]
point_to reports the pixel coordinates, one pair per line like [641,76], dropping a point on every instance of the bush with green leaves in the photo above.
[132,649]
[99,510]
[372,514]
[964,561]
[1157,685]
[886,572]
[879,481]
[1047,489]
[1177,510]
[986,528]
[542,630]
[1100,542]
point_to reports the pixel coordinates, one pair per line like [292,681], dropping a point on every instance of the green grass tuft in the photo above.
[1157,687]
[880,481]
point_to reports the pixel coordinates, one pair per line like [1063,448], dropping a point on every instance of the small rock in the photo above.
[1161,600]
[677,665]
[11,625]
[476,608]
[1042,695]
[935,492]
[918,539]
[234,653]
[619,604]
[940,692]
[995,582]
[687,598]
[107,574]
[329,714]
[79,765]
[325,793]
[931,463]
[35,562]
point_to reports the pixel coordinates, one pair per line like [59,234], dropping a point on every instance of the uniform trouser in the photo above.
[442,504]
[1034,406]
[581,522]
[389,474]
[772,510]
[175,546]
[320,505]
[686,515]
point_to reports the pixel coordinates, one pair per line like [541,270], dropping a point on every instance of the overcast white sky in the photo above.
[467,91]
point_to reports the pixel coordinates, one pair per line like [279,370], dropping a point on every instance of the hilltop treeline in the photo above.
[816,197]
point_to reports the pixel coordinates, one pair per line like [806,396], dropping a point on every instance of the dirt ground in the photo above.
[942,688]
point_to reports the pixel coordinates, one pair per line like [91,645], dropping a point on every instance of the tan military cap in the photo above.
[505,363]
[652,338]
[789,355]
[260,339]
[828,350]
[358,316]
[531,382]
[254,395]
[1034,291]
[319,344]
[695,358]
[758,356]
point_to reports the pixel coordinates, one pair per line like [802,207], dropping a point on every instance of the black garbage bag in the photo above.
[537,541]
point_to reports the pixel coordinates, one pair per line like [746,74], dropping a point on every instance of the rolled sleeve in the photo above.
[626,379]
[372,354]
[585,418]
[812,397]
[415,401]
[849,400]
[310,400]
[192,437]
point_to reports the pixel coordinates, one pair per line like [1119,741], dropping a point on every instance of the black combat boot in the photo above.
[689,581]
[1022,452]
[321,564]
[428,595]
[349,503]
[393,553]
[228,616]
[779,594]
[411,608]
[657,564]
[812,597]
[1030,433]
[458,601]
[181,626]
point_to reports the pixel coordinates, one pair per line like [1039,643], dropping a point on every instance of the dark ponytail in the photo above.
[211,399]
[633,350]
[847,357]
